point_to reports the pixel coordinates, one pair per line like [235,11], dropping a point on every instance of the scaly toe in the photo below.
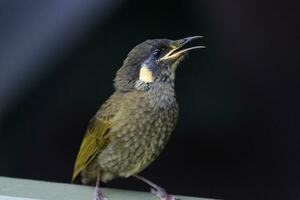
[100,198]
[170,197]
[162,194]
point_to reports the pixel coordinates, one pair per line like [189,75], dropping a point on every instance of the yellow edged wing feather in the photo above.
[97,137]
[93,142]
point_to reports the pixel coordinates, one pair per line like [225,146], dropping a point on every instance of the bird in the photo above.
[132,127]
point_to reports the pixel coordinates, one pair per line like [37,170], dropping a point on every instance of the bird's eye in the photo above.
[156,53]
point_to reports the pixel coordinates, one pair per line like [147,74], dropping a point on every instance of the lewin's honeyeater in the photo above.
[132,127]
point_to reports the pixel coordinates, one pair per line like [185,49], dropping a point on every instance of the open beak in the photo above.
[181,46]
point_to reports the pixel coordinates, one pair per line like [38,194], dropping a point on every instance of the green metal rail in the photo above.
[22,189]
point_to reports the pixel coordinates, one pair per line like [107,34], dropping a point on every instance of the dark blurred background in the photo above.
[238,131]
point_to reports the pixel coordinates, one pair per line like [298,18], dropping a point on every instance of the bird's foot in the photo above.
[98,195]
[157,190]
[162,194]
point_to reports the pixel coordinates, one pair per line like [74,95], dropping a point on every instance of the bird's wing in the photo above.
[95,138]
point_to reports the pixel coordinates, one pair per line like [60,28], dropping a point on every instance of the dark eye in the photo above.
[156,53]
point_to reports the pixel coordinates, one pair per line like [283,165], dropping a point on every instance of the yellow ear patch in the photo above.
[146,74]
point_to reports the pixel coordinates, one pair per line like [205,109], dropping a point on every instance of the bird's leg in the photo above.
[157,190]
[97,193]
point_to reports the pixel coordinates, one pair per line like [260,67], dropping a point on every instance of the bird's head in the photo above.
[153,61]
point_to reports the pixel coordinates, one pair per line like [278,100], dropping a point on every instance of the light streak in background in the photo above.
[32,32]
